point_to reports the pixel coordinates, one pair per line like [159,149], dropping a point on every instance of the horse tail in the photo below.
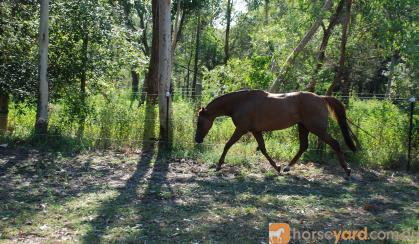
[338,110]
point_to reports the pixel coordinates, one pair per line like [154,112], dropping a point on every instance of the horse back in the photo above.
[271,111]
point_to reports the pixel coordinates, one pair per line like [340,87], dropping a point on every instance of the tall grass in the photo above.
[116,122]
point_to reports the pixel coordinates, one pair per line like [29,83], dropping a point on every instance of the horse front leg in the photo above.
[234,138]
[261,145]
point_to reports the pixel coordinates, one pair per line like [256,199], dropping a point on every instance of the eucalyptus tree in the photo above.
[307,37]
[164,66]
[327,32]
[82,53]
[137,17]
[342,74]
[18,59]
[388,30]
[229,9]
[159,73]
[41,124]
[206,13]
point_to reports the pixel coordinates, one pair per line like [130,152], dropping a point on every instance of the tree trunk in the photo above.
[307,37]
[197,46]
[266,12]
[83,82]
[83,74]
[151,81]
[180,28]
[188,72]
[164,67]
[342,75]
[4,112]
[227,36]
[135,83]
[41,124]
[393,63]
[176,29]
[322,50]
[143,26]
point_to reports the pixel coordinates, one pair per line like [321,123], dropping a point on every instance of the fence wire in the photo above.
[190,121]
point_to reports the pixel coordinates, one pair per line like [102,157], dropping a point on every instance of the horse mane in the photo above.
[235,93]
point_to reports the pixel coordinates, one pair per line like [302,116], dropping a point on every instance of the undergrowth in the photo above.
[116,122]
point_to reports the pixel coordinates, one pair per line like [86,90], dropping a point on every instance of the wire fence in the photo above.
[118,123]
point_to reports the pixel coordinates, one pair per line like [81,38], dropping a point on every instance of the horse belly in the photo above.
[276,121]
[276,125]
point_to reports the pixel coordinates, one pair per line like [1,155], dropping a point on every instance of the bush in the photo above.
[114,122]
[387,128]
[249,73]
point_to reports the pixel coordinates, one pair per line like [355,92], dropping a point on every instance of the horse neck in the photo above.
[222,106]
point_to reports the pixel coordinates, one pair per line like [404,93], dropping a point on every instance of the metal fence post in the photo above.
[412,101]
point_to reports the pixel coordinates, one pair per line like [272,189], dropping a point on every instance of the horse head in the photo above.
[203,126]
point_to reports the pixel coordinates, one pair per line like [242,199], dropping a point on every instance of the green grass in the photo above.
[114,197]
[117,123]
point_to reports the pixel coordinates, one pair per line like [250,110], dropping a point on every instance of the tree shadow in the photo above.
[220,208]
[147,180]
[31,180]
[187,202]
[12,158]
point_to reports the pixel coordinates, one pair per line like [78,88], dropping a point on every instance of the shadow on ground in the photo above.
[113,197]
[187,202]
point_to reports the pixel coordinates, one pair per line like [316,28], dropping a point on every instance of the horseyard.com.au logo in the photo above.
[279,233]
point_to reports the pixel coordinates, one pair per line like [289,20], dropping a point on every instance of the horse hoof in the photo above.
[287,169]
[278,168]
[217,169]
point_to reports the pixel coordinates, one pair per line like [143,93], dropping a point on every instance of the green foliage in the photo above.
[378,30]
[387,127]
[115,124]
[211,48]
[18,45]
[238,74]
[102,41]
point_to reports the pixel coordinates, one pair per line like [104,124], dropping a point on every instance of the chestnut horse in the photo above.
[257,111]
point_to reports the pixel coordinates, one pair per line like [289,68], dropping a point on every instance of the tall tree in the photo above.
[159,73]
[83,76]
[188,69]
[135,18]
[342,75]
[266,12]
[395,58]
[196,60]
[177,26]
[227,34]
[307,37]
[327,32]
[4,112]
[151,81]
[41,124]
[19,55]
[164,66]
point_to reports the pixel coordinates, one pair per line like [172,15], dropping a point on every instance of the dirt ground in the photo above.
[150,197]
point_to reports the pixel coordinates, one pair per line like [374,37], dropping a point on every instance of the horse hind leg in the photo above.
[261,146]
[303,136]
[327,138]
